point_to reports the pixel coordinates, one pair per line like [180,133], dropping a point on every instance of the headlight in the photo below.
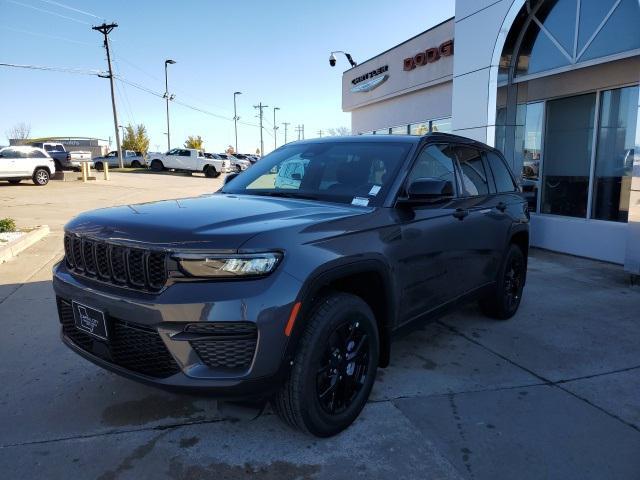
[229,266]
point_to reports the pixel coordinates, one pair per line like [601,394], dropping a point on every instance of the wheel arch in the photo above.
[368,279]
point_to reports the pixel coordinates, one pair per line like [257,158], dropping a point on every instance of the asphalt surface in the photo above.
[552,393]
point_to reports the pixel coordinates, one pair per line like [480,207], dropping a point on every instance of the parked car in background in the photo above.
[22,162]
[189,160]
[130,159]
[295,294]
[237,163]
[63,159]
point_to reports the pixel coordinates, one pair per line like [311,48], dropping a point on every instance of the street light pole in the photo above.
[166,96]
[275,128]
[235,118]
[122,127]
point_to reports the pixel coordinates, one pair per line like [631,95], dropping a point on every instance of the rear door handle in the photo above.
[460,213]
[501,206]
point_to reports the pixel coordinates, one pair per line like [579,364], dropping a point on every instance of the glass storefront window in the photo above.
[604,27]
[419,128]
[615,154]
[443,125]
[567,156]
[382,131]
[401,130]
[528,150]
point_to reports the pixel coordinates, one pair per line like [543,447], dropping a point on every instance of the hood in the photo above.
[218,221]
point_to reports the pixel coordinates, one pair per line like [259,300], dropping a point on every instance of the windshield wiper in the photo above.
[286,195]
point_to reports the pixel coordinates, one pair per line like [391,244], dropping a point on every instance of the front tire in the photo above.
[157,165]
[503,302]
[41,176]
[334,367]
[211,172]
[15,181]
[98,166]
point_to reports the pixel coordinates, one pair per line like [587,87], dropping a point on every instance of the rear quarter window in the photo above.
[502,176]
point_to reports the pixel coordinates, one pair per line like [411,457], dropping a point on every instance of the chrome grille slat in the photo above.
[118,265]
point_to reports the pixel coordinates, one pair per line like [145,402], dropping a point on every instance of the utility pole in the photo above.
[286,127]
[261,107]
[275,129]
[320,133]
[303,131]
[105,30]
[299,131]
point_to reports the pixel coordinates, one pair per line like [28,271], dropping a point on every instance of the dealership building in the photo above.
[553,84]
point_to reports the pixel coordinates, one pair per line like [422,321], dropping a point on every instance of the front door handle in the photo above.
[460,213]
[501,206]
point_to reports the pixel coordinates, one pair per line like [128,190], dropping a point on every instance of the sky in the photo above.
[274,52]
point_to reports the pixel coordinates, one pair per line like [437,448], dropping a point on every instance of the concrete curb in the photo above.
[16,246]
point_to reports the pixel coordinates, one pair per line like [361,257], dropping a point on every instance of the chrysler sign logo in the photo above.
[370,80]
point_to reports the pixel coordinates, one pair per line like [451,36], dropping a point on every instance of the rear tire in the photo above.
[135,164]
[211,172]
[503,302]
[41,177]
[157,165]
[98,166]
[334,367]
[58,165]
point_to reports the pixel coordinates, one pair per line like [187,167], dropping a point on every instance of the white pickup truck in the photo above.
[188,160]
[131,159]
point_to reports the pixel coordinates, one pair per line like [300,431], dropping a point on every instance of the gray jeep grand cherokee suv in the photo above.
[293,294]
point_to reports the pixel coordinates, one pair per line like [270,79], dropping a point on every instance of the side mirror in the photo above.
[230,177]
[428,190]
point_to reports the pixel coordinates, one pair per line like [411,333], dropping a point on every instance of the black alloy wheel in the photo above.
[333,368]
[513,282]
[504,299]
[343,368]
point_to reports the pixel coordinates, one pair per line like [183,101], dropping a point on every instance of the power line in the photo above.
[62,5]
[49,12]
[122,79]
[79,71]
[44,35]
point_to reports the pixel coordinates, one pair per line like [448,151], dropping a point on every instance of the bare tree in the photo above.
[20,131]
[339,132]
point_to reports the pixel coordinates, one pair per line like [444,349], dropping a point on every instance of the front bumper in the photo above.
[157,323]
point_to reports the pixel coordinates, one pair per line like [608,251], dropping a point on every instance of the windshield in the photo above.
[357,173]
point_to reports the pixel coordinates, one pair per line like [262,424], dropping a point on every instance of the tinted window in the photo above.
[342,171]
[36,154]
[474,177]
[10,153]
[435,161]
[501,175]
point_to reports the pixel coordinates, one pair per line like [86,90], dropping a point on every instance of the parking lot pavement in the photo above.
[552,393]
[56,203]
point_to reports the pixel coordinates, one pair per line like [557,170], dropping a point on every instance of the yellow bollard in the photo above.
[84,171]
[105,166]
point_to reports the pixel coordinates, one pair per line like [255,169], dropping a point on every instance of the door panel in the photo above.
[430,237]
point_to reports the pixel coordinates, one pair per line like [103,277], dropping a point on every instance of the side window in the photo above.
[185,153]
[434,161]
[36,154]
[504,180]
[474,176]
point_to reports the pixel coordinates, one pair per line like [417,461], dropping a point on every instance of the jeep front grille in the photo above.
[136,268]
